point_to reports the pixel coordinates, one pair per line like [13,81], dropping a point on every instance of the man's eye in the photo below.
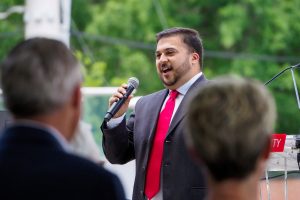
[170,52]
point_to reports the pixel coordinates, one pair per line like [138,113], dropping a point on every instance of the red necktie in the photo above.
[154,164]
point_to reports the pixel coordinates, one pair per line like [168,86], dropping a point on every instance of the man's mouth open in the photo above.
[166,69]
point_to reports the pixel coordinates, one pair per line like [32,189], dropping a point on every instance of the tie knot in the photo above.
[174,94]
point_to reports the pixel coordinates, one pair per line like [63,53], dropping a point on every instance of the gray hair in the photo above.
[38,76]
[230,122]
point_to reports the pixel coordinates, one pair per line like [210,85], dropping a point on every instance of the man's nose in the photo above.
[163,58]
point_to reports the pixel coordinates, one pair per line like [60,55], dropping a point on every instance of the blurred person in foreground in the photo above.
[230,122]
[84,144]
[41,81]
[153,133]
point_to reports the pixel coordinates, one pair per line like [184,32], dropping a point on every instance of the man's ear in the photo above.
[195,57]
[267,151]
[76,97]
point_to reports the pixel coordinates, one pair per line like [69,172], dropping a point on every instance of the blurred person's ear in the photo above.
[75,104]
[195,57]
[267,151]
[263,157]
[77,97]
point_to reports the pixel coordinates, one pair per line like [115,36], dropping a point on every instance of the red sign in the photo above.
[278,141]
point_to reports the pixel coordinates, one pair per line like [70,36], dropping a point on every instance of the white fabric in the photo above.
[84,144]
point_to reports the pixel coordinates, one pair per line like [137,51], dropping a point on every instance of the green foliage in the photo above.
[233,24]
[93,72]
[253,38]
[11,28]
[256,31]
[80,13]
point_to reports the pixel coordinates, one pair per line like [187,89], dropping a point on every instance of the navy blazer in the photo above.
[33,165]
[181,177]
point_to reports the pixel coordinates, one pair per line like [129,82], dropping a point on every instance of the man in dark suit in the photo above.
[153,134]
[41,81]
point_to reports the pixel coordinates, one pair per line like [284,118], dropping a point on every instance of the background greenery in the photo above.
[116,40]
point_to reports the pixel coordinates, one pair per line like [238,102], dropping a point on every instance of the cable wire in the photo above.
[280,73]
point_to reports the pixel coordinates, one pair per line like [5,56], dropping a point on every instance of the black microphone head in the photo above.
[134,82]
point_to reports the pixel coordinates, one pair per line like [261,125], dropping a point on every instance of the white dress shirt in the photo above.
[49,129]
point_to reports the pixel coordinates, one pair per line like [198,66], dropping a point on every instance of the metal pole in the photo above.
[48,18]
[295,87]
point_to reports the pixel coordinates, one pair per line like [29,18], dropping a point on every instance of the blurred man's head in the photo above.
[230,122]
[39,78]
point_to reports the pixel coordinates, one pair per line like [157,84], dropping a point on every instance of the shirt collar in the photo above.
[50,129]
[185,87]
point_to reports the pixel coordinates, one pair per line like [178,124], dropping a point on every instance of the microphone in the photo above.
[133,83]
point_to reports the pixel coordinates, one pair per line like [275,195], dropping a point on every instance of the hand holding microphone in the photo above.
[119,101]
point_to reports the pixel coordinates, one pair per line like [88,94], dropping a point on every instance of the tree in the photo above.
[115,40]
[11,28]
[252,38]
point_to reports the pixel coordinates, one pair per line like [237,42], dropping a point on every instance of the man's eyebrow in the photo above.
[166,49]
[170,48]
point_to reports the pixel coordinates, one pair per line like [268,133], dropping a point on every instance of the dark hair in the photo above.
[189,36]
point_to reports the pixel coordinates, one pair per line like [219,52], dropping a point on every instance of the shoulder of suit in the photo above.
[153,96]
[84,164]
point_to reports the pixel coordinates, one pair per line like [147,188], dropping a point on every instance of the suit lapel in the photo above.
[181,111]
[153,108]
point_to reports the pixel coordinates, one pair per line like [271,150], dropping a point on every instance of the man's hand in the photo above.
[118,95]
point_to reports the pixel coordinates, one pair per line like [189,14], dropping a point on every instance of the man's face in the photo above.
[174,62]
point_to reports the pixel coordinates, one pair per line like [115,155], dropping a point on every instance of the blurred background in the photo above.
[115,40]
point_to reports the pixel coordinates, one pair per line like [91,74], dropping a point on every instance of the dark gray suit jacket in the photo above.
[182,178]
